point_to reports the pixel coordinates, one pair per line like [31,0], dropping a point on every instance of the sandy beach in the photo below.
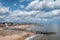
[15,34]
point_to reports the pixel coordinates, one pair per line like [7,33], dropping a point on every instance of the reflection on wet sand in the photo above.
[42,37]
[52,30]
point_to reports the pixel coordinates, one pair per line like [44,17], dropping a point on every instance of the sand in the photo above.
[14,35]
[22,26]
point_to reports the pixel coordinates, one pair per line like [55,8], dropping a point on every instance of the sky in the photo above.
[30,11]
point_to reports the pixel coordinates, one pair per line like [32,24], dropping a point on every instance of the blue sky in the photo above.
[17,3]
[31,11]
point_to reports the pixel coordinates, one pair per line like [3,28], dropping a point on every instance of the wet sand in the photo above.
[46,28]
[42,37]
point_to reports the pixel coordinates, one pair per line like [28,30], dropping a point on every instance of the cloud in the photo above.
[22,15]
[4,12]
[39,5]
[21,0]
[22,6]
[33,15]
[1,17]
[24,0]
[4,9]
[33,5]
[0,3]
[15,4]
[28,16]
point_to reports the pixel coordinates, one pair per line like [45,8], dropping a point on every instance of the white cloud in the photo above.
[4,9]
[2,16]
[21,0]
[45,19]
[22,15]
[33,5]
[15,4]
[51,4]
[22,6]
[0,4]
[49,0]
[24,0]
[33,15]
